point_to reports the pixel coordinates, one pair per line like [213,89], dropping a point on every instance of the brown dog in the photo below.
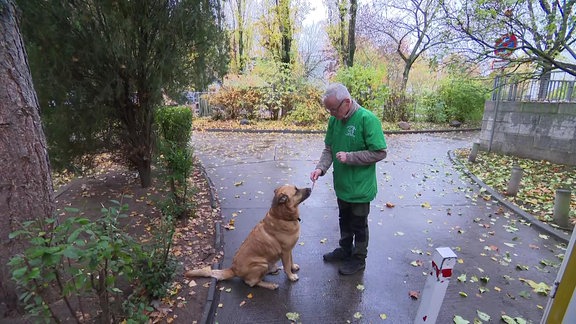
[272,239]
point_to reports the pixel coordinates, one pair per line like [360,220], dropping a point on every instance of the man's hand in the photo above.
[342,156]
[315,175]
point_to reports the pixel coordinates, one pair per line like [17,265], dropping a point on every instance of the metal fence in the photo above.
[555,87]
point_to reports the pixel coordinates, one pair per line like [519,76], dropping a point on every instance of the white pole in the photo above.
[443,261]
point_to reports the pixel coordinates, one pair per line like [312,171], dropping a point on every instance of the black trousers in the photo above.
[353,221]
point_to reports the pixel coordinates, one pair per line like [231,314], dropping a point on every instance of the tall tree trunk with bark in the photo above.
[352,33]
[241,13]
[26,191]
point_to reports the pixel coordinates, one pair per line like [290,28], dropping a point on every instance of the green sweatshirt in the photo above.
[361,132]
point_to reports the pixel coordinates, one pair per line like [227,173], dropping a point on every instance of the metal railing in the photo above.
[556,87]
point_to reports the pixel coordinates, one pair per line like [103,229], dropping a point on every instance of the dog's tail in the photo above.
[209,272]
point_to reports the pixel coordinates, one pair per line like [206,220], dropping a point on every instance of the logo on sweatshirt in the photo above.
[351,131]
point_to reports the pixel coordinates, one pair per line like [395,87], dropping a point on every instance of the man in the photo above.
[354,142]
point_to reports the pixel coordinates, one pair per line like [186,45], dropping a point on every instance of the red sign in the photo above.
[505,45]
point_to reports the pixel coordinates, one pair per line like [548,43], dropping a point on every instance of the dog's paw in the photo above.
[268,285]
[295,267]
[293,277]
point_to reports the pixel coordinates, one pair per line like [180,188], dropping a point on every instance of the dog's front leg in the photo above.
[289,266]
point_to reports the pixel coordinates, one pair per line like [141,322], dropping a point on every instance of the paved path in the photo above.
[435,206]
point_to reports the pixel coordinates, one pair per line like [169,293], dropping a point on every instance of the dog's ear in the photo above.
[281,199]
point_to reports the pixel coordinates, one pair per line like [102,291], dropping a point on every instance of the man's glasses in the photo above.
[335,110]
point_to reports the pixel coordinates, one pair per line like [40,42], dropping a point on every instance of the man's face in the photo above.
[337,108]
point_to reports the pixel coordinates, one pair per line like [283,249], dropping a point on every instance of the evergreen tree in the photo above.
[102,67]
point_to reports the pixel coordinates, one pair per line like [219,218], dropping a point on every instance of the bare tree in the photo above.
[413,27]
[312,51]
[540,32]
[26,191]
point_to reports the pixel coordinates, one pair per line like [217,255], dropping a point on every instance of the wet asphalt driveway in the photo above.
[434,205]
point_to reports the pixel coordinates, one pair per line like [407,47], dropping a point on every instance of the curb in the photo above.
[213,293]
[296,131]
[559,234]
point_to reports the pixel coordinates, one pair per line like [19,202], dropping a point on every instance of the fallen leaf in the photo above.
[390,205]
[459,320]
[516,320]
[416,263]
[483,316]
[414,294]
[539,288]
[291,316]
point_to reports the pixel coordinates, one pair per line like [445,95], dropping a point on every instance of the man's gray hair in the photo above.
[337,90]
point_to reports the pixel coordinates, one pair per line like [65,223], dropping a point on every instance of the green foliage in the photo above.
[175,124]
[82,259]
[463,98]
[276,30]
[175,129]
[458,98]
[433,107]
[282,85]
[305,114]
[100,68]
[366,85]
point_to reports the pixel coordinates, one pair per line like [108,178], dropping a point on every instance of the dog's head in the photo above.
[286,201]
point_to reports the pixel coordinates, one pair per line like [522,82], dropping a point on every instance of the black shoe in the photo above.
[338,254]
[351,266]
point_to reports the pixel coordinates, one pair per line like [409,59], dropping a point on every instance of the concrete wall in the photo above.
[536,130]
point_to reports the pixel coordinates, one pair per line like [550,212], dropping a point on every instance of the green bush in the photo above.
[366,86]
[80,262]
[463,98]
[304,114]
[175,129]
[175,123]
[433,108]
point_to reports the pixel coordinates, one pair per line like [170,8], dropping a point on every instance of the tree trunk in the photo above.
[241,62]
[285,24]
[352,33]
[26,191]
[343,48]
